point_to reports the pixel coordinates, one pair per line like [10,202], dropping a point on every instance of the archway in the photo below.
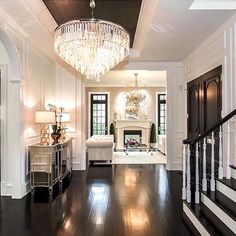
[11,167]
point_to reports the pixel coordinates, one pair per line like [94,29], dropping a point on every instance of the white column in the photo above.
[188,176]
[212,162]
[228,169]
[184,173]
[197,176]
[204,180]
[220,169]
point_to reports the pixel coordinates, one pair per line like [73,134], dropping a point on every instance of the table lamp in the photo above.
[44,118]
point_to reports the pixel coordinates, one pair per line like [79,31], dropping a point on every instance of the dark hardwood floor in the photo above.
[135,200]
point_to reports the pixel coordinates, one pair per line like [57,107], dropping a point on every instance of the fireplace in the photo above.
[135,135]
[132,125]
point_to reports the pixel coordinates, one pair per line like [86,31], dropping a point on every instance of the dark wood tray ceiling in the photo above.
[123,12]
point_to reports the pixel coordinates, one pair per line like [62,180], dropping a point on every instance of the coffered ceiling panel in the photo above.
[123,12]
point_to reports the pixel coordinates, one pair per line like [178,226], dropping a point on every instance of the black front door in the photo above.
[98,113]
[204,102]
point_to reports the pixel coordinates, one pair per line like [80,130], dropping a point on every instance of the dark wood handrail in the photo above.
[209,131]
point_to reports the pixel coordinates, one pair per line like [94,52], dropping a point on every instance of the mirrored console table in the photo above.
[50,164]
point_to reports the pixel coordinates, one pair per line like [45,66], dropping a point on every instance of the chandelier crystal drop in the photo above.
[92,46]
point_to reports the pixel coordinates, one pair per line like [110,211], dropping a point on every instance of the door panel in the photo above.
[212,100]
[194,108]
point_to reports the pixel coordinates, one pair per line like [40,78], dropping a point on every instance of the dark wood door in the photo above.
[204,102]
[204,111]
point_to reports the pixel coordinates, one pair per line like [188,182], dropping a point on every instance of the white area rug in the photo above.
[138,158]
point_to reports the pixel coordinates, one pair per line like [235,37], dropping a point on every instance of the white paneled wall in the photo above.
[69,94]
[174,117]
[38,82]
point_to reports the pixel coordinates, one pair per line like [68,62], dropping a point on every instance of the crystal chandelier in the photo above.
[134,99]
[92,46]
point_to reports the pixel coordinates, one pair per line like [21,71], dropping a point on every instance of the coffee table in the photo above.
[139,147]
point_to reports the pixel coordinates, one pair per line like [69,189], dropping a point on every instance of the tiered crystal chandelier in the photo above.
[135,98]
[92,46]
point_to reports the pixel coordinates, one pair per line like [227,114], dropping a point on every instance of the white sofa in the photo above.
[100,148]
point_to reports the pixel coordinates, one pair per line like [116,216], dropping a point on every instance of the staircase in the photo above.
[209,180]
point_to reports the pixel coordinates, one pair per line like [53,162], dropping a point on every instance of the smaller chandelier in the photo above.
[92,46]
[135,98]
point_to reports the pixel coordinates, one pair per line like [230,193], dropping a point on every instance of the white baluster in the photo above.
[228,169]
[204,179]
[184,173]
[197,176]
[212,162]
[188,176]
[220,169]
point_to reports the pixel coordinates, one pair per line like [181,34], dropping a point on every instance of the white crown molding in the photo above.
[213,5]
[6,21]
[146,15]
[41,14]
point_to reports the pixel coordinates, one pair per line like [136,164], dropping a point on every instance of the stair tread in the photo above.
[212,196]
[211,229]
[231,183]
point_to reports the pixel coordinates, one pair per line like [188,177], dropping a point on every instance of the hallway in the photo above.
[121,200]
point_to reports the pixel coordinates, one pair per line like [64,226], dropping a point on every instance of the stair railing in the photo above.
[195,176]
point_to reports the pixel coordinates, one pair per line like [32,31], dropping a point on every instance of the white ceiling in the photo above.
[175,31]
[172,33]
[124,78]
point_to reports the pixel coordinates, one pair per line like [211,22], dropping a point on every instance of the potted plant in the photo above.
[153,136]
[56,128]
[112,131]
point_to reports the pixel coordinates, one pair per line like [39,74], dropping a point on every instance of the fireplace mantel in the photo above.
[137,123]
[121,125]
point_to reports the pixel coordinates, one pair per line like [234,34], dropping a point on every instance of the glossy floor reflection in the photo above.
[142,200]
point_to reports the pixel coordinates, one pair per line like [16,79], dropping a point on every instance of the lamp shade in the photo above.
[65,117]
[44,117]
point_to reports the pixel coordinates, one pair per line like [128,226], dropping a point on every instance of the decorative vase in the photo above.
[56,137]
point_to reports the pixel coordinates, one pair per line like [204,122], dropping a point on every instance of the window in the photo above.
[162,114]
[98,114]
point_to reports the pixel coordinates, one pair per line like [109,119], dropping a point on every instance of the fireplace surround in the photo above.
[132,125]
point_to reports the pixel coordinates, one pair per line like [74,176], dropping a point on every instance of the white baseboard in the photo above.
[200,228]
[173,165]
[77,166]
[224,189]
[6,189]
[226,219]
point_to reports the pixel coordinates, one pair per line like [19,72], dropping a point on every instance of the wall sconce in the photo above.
[44,118]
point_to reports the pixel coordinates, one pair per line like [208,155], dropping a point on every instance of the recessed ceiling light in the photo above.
[213,5]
